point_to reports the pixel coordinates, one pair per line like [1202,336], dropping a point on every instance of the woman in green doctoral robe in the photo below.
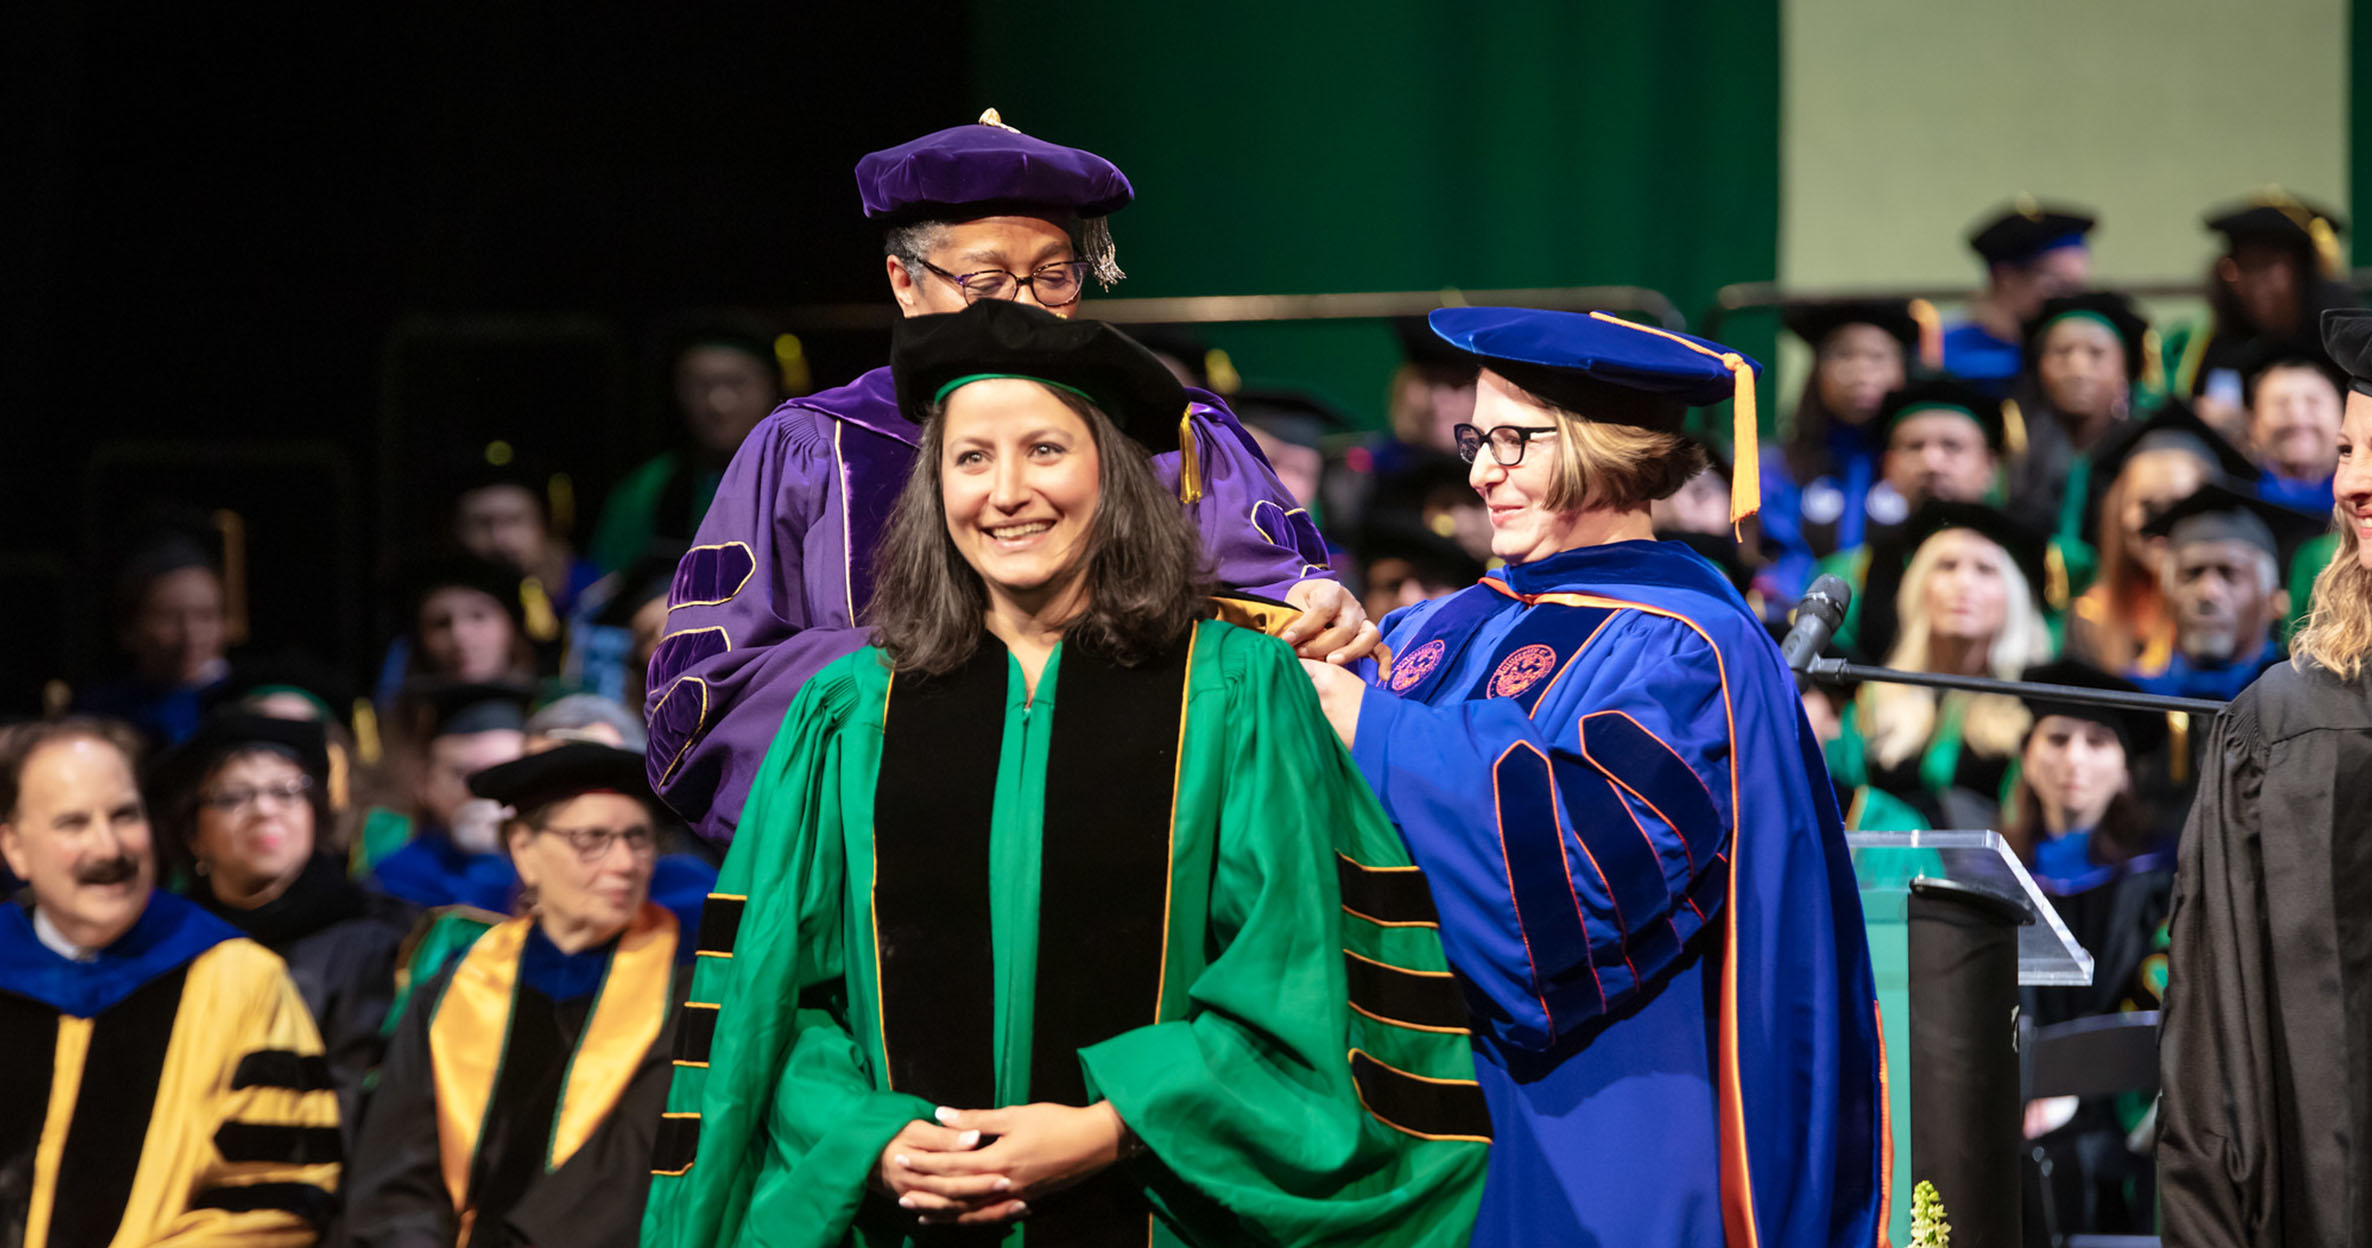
[1059,913]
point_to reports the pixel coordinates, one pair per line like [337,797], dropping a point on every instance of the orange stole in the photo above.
[476,1009]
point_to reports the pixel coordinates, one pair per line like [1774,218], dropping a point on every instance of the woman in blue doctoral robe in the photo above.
[1600,761]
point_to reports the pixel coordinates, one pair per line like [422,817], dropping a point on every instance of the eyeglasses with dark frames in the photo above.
[592,844]
[1056,285]
[232,801]
[1507,441]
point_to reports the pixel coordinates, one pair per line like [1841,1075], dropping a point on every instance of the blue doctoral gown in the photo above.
[1603,767]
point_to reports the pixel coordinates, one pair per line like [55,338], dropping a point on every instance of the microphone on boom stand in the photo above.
[1816,620]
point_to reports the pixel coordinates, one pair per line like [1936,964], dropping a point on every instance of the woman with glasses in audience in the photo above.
[245,801]
[522,1087]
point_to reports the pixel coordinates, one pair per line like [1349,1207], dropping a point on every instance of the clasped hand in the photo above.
[946,1176]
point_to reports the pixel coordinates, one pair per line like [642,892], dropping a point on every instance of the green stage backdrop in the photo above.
[1406,144]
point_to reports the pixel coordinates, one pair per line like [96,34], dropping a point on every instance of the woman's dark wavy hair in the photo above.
[1147,576]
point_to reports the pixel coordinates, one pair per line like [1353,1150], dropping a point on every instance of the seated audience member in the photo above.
[299,687]
[2103,854]
[446,849]
[2085,354]
[728,372]
[2121,623]
[1701,506]
[1816,483]
[2221,574]
[2294,404]
[1966,605]
[585,717]
[466,620]
[503,514]
[522,1090]
[160,1065]
[2266,294]
[170,624]
[2033,253]
[1404,562]
[242,802]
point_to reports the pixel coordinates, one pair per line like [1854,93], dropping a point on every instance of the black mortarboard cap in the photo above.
[1399,534]
[2025,229]
[231,731]
[2173,427]
[2347,339]
[1944,394]
[427,575]
[932,355]
[2217,512]
[460,708]
[1814,322]
[295,671]
[2027,547]
[2274,215]
[1420,345]
[2105,307]
[1294,416]
[562,772]
[2141,731]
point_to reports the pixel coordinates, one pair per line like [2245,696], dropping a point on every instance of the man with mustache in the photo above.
[2222,576]
[166,1082]
[778,580]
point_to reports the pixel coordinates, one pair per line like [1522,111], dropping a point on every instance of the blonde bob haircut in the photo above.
[1602,466]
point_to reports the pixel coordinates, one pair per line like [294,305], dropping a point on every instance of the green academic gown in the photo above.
[1163,886]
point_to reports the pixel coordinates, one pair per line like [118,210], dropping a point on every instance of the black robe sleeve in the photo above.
[2217,1145]
[395,1192]
[595,1198]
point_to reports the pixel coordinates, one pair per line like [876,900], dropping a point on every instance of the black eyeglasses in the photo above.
[232,801]
[592,844]
[1507,441]
[1054,285]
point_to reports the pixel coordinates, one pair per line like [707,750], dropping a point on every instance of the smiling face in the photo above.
[79,837]
[2293,425]
[1523,527]
[2353,484]
[1019,478]
[1020,245]
[1967,591]
[2076,766]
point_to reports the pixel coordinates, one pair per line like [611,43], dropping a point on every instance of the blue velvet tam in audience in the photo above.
[1605,369]
[2023,230]
[986,169]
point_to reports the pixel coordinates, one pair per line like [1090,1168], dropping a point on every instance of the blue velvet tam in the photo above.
[987,169]
[1605,369]
[2024,230]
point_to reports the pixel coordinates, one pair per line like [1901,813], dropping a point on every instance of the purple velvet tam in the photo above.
[972,171]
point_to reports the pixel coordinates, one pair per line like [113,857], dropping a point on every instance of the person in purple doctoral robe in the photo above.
[776,582]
